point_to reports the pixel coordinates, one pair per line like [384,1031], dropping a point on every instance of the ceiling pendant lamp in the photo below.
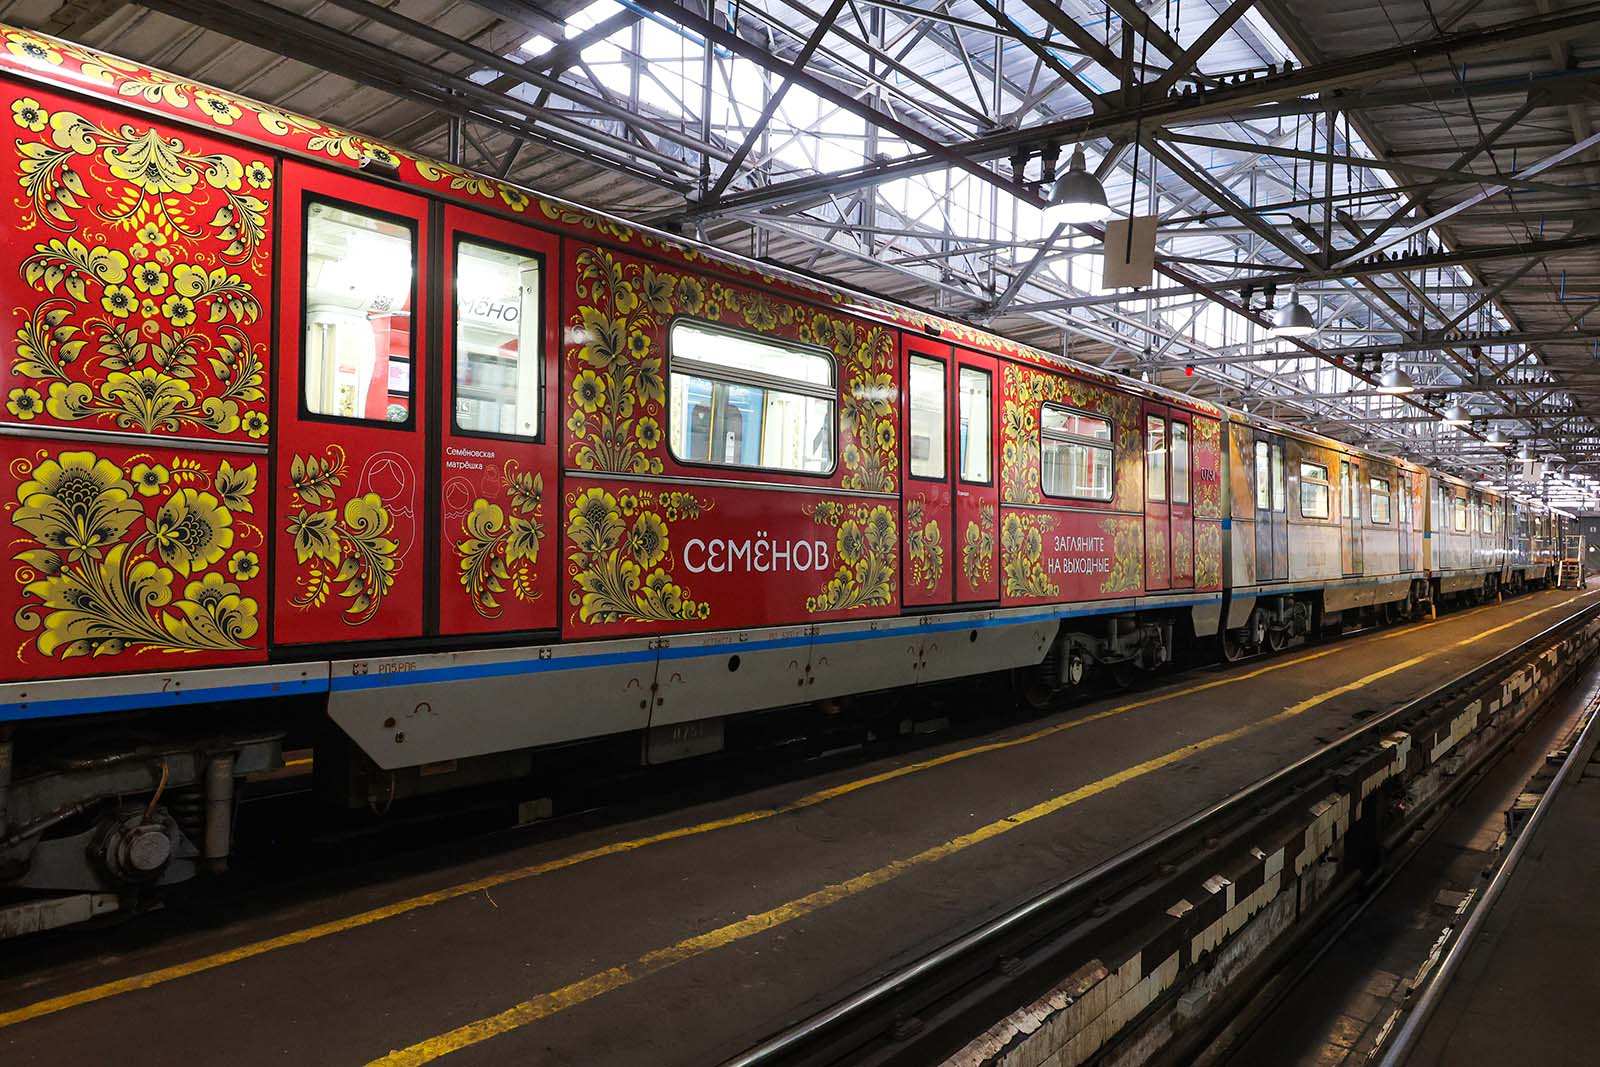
[1294,319]
[1456,415]
[1078,195]
[1496,439]
[1395,382]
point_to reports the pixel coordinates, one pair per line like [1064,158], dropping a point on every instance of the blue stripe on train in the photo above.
[37,709]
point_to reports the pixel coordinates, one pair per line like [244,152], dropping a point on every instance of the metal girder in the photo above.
[1214,104]
[946,156]
[1399,265]
[279,30]
[774,101]
[1479,197]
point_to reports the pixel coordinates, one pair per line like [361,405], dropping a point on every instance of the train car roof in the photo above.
[131,85]
[1302,434]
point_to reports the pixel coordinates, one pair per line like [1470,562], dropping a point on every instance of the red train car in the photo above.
[301,424]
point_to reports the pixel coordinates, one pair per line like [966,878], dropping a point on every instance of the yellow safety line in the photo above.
[162,975]
[575,993]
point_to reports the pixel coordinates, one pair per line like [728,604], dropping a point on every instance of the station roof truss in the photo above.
[1424,174]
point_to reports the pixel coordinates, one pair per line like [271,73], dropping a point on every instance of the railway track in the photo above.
[1062,944]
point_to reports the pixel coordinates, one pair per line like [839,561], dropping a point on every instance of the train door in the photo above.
[928,501]
[497,517]
[1350,488]
[1272,510]
[1157,509]
[1180,499]
[1404,520]
[974,548]
[351,401]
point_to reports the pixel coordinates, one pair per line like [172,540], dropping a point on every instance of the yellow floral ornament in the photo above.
[29,114]
[346,550]
[616,556]
[96,582]
[865,537]
[497,550]
[24,403]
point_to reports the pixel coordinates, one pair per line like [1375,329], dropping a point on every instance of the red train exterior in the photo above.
[307,437]
[173,502]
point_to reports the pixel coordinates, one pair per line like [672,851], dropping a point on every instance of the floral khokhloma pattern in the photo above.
[1207,555]
[345,547]
[1127,556]
[1026,390]
[496,549]
[1155,552]
[101,574]
[924,546]
[1022,556]
[616,419]
[619,558]
[977,548]
[1182,553]
[150,299]
[864,537]
[1207,457]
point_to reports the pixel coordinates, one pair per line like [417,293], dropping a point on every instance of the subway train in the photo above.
[308,436]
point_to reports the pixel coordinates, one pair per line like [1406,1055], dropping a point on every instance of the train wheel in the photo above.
[1277,638]
[1233,647]
[1125,674]
[1038,696]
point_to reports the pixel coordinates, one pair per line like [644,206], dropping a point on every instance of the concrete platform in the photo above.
[684,938]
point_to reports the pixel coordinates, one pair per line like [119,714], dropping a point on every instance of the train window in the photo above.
[1155,458]
[497,341]
[1458,508]
[925,437]
[1074,454]
[359,351]
[1280,494]
[1487,525]
[1314,491]
[1180,463]
[976,437]
[1381,500]
[742,400]
[1263,476]
[1350,490]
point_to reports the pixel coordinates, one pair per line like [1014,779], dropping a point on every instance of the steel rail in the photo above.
[879,994]
[1417,1019]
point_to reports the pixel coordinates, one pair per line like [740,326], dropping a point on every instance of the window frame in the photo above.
[944,402]
[988,441]
[667,371]
[1386,494]
[1151,421]
[1327,487]
[1280,479]
[1188,462]
[1109,445]
[308,199]
[1263,477]
[541,393]
[1464,525]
